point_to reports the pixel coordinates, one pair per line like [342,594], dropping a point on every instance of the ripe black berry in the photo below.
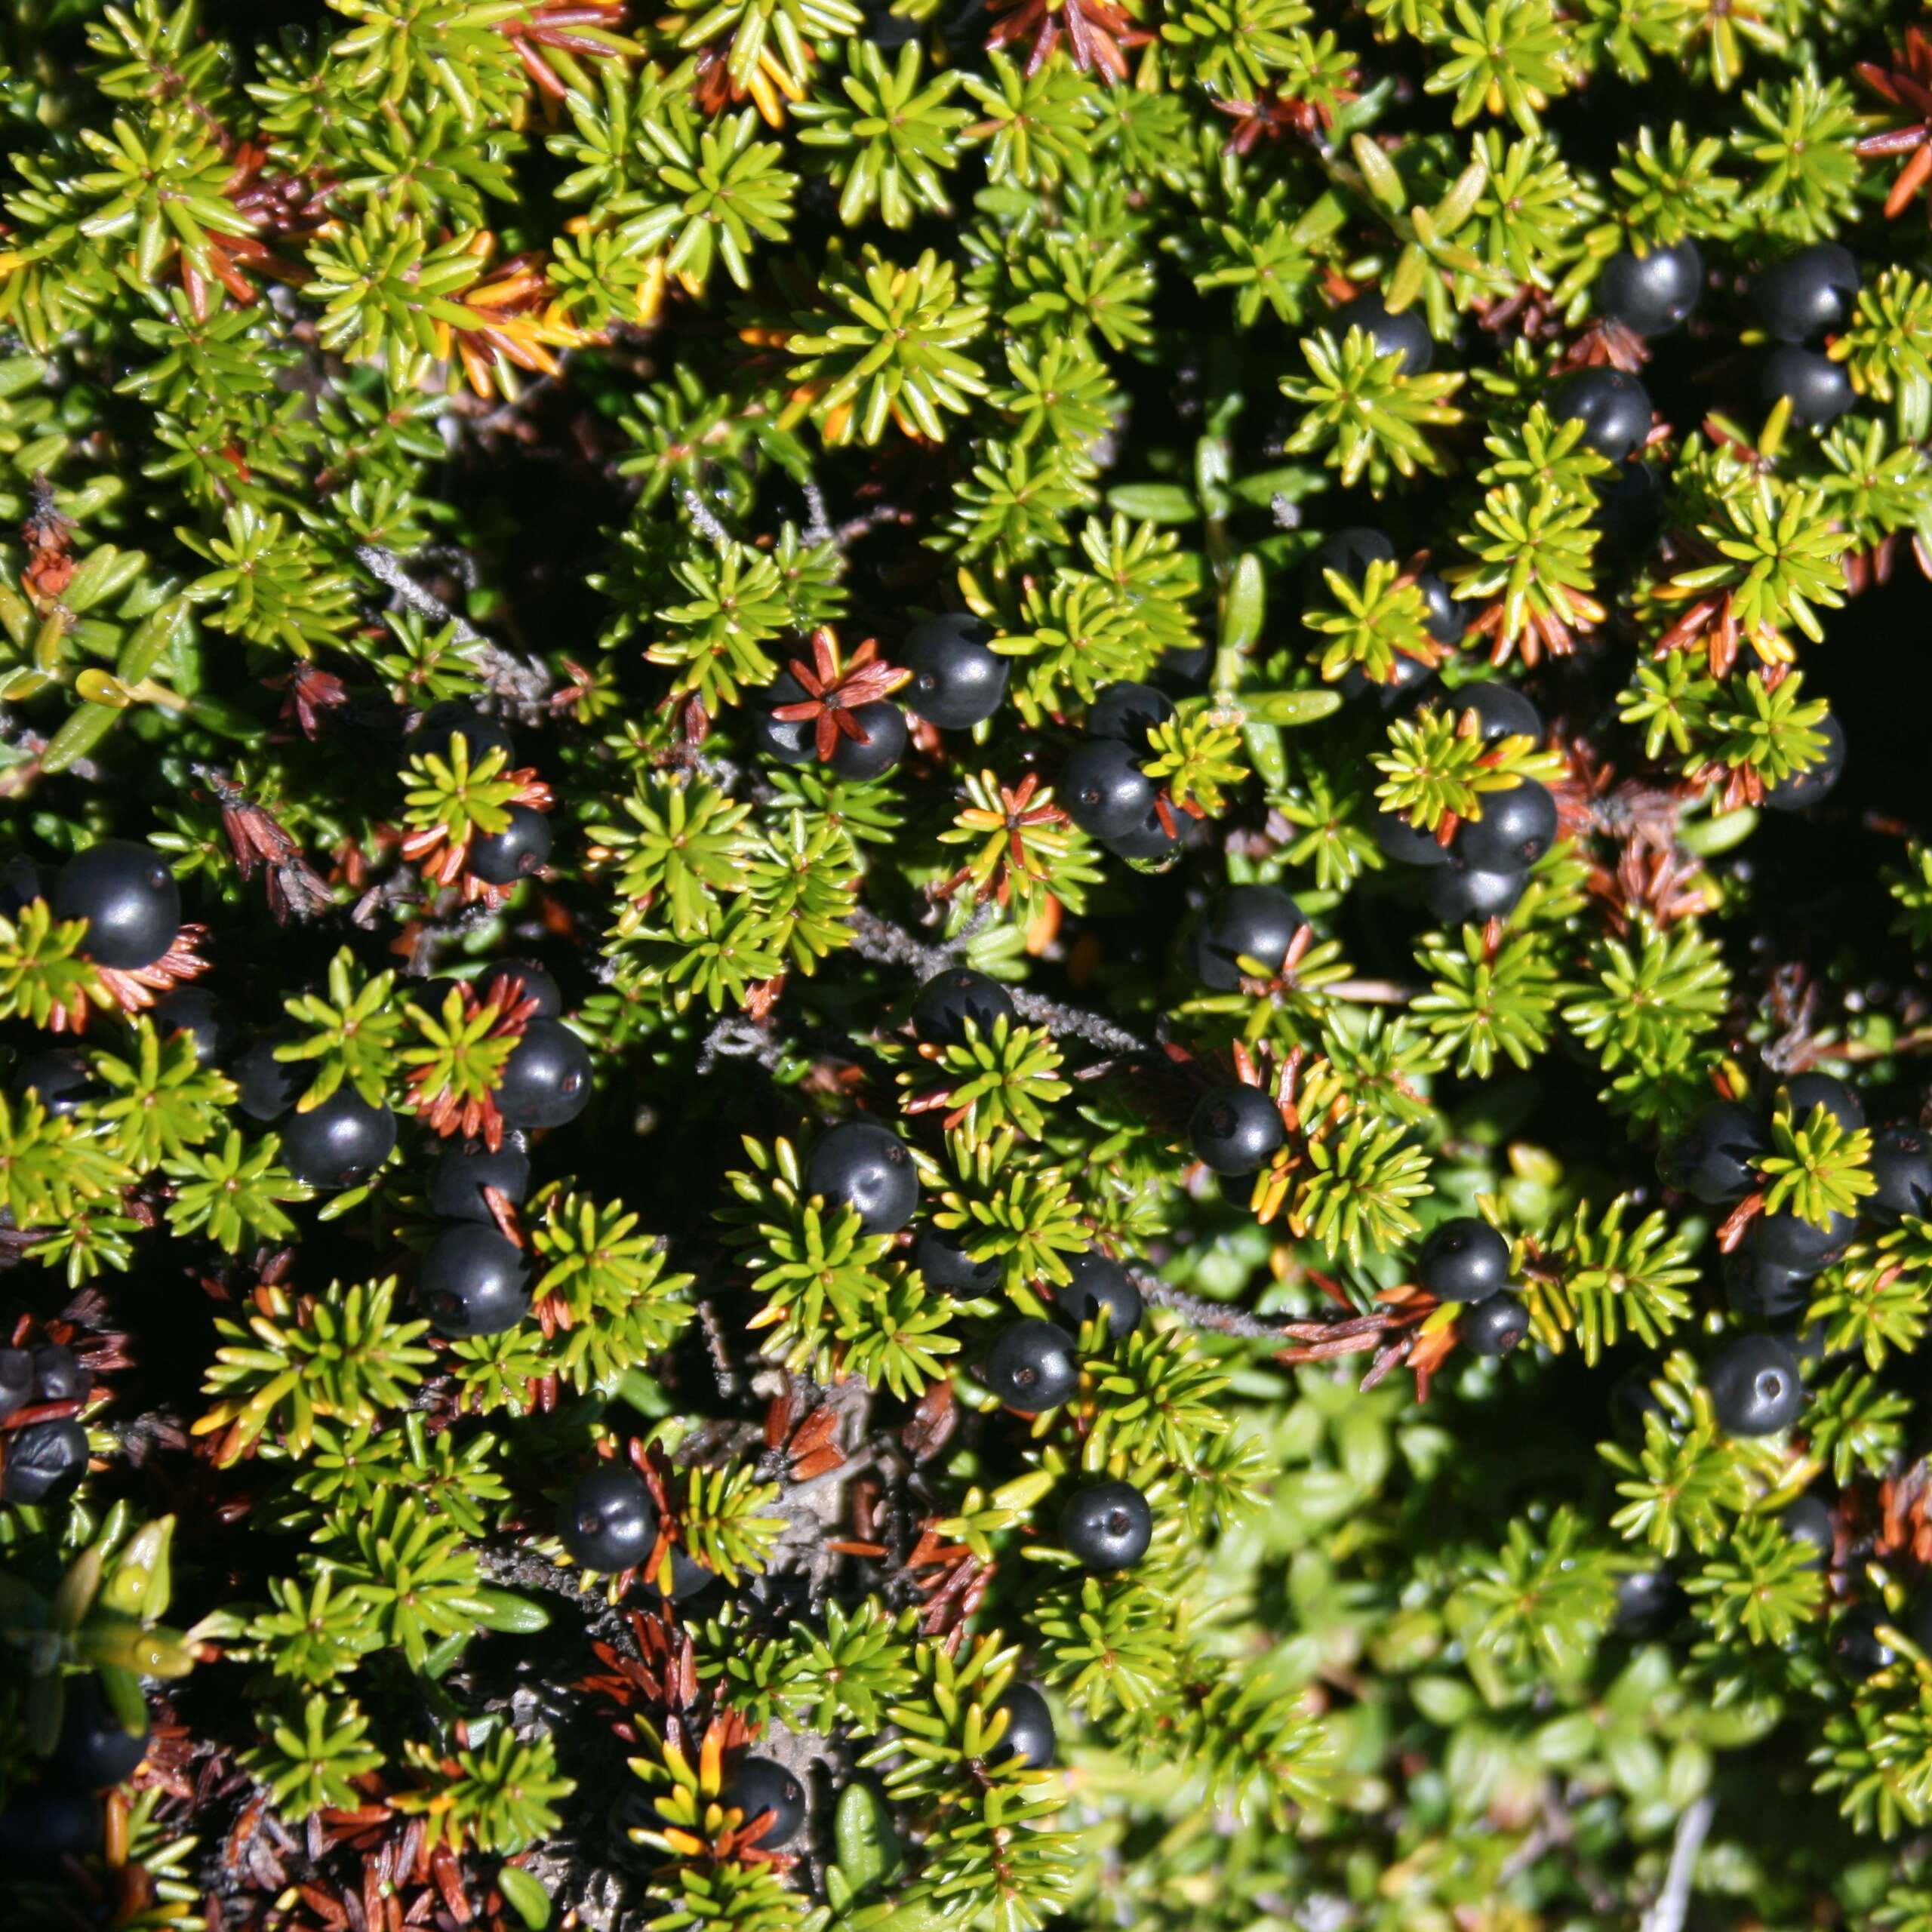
[1254,922]
[1460,894]
[534,982]
[1712,1160]
[1128,711]
[1629,513]
[1804,1091]
[1494,1326]
[20,885]
[1406,844]
[473,1281]
[546,1080]
[789,740]
[94,1749]
[1107,1525]
[1817,389]
[452,719]
[957,680]
[1465,1259]
[128,897]
[58,1077]
[1104,790]
[463,1170]
[1236,1129]
[1649,1602]
[1859,1650]
[948,1000]
[1808,1519]
[1347,551]
[884,745]
[16,1380]
[267,1087]
[1801,1245]
[1807,295]
[1802,790]
[1754,1386]
[1033,1366]
[1614,408]
[861,1165]
[45,1461]
[609,1522]
[1902,1165]
[1410,682]
[760,1786]
[1514,832]
[1651,294]
[1028,1735]
[523,847]
[1502,711]
[1406,334]
[340,1142]
[941,1257]
[1100,1284]
[1150,839]
[1448,616]
[1761,1290]
[205,1017]
[60,1375]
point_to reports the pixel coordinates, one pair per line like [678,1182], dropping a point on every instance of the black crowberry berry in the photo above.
[1802,1246]
[1410,682]
[1817,389]
[1649,1602]
[20,885]
[1858,1649]
[1807,295]
[1128,711]
[1464,1259]
[789,740]
[1236,1129]
[761,1786]
[1107,1526]
[1761,1290]
[523,847]
[883,746]
[941,1257]
[1253,922]
[1514,832]
[1629,513]
[473,1281]
[1406,844]
[1032,1366]
[95,1749]
[1712,1160]
[957,680]
[1100,1284]
[205,1017]
[128,897]
[861,1165]
[1028,1735]
[1902,1166]
[1406,334]
[1808,1519]
[60,1375]
[1651,294]
[1754,1386]
[267,1086]
[609,1522]
[1614,408]
[1804,1091]
[534,982]
[1502,711]
[1448,616]
[1463,895]
[16,1380]
[1105,793]
[1800,790]
[59,1078]
[453,719]
[339,1144]
[1494,1326]
[45,1461]
[1347,551]
[1150,839]
[463,1169]
[948,1000]
[545,1082]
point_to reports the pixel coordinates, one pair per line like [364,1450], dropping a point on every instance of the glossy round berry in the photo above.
[1754,1386]
[1800,790]
[1348,551]
[43,1827]
[20,885]
[859,1163]
[463,1169]
[1406,334]
[762,1787]
[16,1380]
[1858,1649]
[60,1375]
[1802,1246]
[689,1578]
[940,1256]
[452,719]
[1128,711]
[948,1000]
[1712,1160]
[59,1078]
[1817,389]
[472,1282]
[45,1461]
[1514,830]
[1614,408]
[1028,1735]
[1902,1166]
[1448,616]
[1463,1259]
[267,1086]
[95,1749]
[1236,1129]
[340,1142]
[524,979]
[609,1522]
[1256,923]
[1100,1285]
[1105,793]
[1405,844]
[1808,1519]
[1649,1602]
[1805,1091]
[861,760]
[957,679]
[1502,711]
[1410,683]
[1464,895]
[523,847]
[1494,1326]
[128,897]
[1032,1366]
[1629,513]
[1807,295]
[1651,293]
[545,1082]
[205,1017]
[788,740]
[1107,1526]
[1761,1290]
[1150,840]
